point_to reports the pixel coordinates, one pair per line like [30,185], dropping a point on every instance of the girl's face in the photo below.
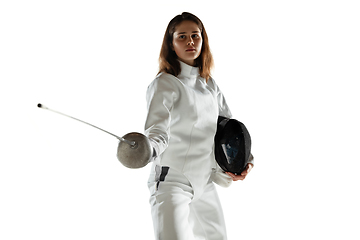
[187,42]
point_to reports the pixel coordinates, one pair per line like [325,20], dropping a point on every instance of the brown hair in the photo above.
[168,59]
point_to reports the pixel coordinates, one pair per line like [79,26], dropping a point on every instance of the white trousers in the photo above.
[177,216]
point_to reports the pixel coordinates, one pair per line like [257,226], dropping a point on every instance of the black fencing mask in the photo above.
[232,145]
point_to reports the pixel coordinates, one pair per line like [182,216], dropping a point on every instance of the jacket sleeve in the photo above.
[161,95]
[224,109]
[218,176]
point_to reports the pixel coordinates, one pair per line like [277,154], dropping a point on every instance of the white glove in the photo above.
[219,177]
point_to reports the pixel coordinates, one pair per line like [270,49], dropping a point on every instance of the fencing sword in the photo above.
[134,149]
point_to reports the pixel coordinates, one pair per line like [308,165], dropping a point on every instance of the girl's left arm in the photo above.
[224,111]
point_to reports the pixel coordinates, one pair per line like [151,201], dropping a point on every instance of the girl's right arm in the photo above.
[161,95]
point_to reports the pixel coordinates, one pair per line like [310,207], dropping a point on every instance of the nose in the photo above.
[190,42]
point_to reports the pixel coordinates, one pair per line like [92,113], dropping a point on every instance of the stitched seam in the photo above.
[186,156]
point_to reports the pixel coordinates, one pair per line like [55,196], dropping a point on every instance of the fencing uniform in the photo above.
[181,125]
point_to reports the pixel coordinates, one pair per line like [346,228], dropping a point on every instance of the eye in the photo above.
[194,36]
[182,36]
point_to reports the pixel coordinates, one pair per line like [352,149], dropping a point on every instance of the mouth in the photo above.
[190,50]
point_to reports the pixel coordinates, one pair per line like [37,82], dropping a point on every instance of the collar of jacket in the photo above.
[188,71]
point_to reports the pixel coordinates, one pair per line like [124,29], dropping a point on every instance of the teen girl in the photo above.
[184,103]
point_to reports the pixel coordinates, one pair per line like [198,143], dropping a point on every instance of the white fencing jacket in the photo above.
[181,124]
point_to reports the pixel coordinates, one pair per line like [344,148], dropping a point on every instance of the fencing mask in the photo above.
[232,145]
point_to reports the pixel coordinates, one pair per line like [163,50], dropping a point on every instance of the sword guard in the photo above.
[137,155]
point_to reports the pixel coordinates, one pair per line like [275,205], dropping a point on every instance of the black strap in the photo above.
[222,121]
[164,172]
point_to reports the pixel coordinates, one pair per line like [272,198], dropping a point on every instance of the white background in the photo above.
[289,71]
